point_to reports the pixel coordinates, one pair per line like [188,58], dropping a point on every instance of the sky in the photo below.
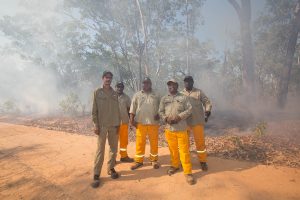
[220,20]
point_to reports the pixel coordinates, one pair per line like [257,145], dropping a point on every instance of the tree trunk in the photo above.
[145,37]
[187,37]
[244,14]
[288,62]
[140,50]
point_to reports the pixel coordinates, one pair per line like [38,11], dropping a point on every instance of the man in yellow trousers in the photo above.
[144,116]
[174,109]
[124,106]
[200,113]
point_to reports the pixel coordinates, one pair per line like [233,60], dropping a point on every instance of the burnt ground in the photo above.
[232,135]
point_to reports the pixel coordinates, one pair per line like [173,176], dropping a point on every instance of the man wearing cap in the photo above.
[144,116]
[106,118]
[200,113]
[174,109]
[124,106]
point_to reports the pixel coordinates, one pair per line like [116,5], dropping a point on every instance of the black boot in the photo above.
[172,170]
[126,160]
[96,181]
[136,165]
[204,166]
[113,174]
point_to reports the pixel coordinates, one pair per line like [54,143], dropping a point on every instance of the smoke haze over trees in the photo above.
[58,49]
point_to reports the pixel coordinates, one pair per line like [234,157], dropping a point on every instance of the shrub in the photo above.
[71,104]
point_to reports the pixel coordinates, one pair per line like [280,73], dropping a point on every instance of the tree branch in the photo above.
[236,6]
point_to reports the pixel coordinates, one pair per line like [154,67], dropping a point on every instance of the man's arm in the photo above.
[132,111]
[187,109]
[128,104]
[95,115]
[207,105]
[161,110]
[205,101]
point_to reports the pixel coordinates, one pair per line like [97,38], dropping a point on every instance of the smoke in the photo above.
[35,87]
[30,87]
[26,80]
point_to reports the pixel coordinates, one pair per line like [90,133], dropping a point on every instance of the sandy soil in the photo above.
[44,164]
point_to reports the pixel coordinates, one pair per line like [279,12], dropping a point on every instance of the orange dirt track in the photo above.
[43,164]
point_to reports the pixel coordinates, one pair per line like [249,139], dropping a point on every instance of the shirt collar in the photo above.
[150,92]
[193,89]
[174,95]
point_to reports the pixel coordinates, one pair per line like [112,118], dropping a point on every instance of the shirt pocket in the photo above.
[101,97]
[115,97]
[195,101]
[180,105]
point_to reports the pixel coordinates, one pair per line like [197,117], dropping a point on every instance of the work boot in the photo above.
[136,165]
[126,160]
[96,181]
[155,164]
[204,166]
[190,179]
[113,174]
[172,170]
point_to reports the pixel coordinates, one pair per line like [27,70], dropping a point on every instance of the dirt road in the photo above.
[43,164]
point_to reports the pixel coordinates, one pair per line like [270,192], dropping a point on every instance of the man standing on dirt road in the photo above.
[106,118]
[174,109]
[200,113]
[124,106]
[144,116]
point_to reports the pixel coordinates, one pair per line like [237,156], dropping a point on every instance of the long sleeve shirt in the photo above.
[172,106]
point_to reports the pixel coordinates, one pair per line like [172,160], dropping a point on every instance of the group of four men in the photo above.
[182,112]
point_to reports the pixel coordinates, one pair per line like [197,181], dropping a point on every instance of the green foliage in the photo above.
[236,140]
[71,104]
[9,107]
[271,38]
[84,37]
[260,129]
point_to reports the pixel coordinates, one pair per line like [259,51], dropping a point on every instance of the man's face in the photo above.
[107,79]
[147,86]
[120,89]
[188,84]
[173,87]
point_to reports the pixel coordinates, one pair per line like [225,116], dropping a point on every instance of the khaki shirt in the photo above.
[105,110]
[200,103]
[124,105]
[145,106]
[171,106]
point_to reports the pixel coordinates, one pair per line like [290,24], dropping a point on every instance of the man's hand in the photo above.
[156,117]
[176,119]
[207,114]
[173,120]
[168,120]
[132,124]
[97,131]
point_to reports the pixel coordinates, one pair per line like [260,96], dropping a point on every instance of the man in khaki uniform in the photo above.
[144,112]
[174,109]
[124,105]
[200,113]
[106,118]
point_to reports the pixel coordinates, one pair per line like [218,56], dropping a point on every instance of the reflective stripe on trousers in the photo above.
[142,131]
[123,135]
[178,142]
[198,133]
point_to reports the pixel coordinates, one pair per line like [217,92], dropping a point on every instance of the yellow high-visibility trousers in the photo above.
[142,131]
[123,134]
[179,140]
[198,132]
